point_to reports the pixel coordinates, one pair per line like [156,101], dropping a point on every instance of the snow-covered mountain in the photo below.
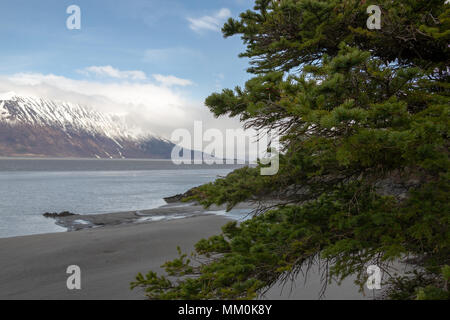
[65,115]
[31,126]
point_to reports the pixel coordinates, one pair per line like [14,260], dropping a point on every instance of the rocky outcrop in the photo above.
[179,197]
[58,215]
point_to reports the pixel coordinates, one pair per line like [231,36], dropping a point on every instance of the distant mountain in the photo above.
[39,127]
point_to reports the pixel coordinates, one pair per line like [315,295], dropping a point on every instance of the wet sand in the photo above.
[166,212]
[34,267]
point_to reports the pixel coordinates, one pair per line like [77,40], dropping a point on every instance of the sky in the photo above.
[151,61]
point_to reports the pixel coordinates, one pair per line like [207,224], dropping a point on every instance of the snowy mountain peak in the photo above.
[33,126]
[70,117]
[8,95]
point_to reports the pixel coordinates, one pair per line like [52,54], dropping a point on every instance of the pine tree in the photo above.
[363,114]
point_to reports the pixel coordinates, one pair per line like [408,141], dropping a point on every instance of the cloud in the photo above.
[209,23]
[172,80]
[109,71]
[147,107]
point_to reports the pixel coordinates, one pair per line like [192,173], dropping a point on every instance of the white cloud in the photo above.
[209,23]
[171,80]
[109,71]
[147,107]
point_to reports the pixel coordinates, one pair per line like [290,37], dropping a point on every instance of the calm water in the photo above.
[28,188]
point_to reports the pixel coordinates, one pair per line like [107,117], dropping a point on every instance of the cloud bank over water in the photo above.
[157,104]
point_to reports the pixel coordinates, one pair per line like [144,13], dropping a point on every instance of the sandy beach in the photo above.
[34,267]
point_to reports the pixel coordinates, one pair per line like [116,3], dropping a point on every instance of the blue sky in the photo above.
[153,36]
[151,61]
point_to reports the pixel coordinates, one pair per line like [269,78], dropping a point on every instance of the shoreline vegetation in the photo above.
[185,222]
[362,181]
[353,105]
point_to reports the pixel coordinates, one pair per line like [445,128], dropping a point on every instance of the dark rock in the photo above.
[180,197]
[58,215]
[173,199]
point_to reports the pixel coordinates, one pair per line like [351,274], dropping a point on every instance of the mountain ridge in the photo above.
[38,127]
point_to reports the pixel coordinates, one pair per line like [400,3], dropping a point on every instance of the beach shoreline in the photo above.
[170,211]
[110,256]
[34,267]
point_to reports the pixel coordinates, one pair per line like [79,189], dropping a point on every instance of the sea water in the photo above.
[31,187]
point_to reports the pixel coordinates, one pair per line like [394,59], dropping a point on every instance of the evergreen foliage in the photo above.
[361,112]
